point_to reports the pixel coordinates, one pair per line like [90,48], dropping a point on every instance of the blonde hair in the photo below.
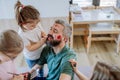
[103,71]
[10,42]
[23,13]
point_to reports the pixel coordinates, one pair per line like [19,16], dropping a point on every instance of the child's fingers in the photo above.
[43,33]
[18,77]
[73,62]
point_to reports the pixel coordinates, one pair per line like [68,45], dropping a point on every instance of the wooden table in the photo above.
[108,14]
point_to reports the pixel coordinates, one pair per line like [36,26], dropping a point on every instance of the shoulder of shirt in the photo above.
[47,48]
[70,51]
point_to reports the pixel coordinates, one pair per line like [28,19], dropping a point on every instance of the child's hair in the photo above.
[103,71]
[23,13]
[10,42]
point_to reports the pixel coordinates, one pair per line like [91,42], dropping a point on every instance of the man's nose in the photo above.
[50,32]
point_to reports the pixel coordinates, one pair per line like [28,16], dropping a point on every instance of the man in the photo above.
[57,53]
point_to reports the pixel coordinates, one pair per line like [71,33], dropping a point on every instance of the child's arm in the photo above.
[77,72]
[35,45]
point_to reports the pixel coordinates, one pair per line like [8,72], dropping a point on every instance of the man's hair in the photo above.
[10,42]
[67,27]
[23,13]
[103,71]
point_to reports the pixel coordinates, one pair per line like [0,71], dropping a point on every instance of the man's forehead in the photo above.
[58,25]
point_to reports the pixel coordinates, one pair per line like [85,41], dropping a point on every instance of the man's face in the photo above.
[55,35]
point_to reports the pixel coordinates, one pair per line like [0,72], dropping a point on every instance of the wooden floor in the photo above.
[100,51]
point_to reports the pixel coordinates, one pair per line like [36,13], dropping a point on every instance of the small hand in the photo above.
[18,77]
[74,64]
[43,34]
[43,37]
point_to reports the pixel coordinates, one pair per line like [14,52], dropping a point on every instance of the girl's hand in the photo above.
[43,34]
[22,76]
[43,37]
[74,64]
[18,77]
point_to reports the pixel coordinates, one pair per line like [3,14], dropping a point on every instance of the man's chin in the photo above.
[52,44]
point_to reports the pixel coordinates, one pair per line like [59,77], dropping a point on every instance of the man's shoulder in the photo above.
[47,48]
[70,54]
[70,51]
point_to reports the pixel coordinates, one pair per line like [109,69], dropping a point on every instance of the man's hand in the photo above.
[33,71]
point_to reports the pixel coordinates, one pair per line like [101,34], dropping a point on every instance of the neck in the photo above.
[58,48]
[4,58]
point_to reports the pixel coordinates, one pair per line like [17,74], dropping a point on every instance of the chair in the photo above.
[103,32]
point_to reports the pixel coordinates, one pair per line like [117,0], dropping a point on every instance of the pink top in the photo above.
[6,67]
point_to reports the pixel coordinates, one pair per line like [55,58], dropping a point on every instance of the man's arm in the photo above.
[34,68]
[66,72]
[64,76]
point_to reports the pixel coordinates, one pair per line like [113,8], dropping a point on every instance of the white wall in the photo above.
[47,8]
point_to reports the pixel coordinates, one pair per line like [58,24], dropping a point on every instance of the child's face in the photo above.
[30,24]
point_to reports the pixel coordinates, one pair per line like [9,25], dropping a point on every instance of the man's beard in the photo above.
[51,42]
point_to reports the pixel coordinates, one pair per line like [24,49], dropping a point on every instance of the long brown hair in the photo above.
[11,42]
[103,71]
[23,13]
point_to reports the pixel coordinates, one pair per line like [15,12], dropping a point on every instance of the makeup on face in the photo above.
[59,37]
[53,41]
[51,37]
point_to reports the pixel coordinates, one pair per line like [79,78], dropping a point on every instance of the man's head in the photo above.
[59,33]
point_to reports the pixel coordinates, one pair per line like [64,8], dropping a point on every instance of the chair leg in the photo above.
[85,37]
[118,44]
[88,43]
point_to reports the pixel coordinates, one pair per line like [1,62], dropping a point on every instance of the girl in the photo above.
[31,31]
[102,71]
[10,46]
